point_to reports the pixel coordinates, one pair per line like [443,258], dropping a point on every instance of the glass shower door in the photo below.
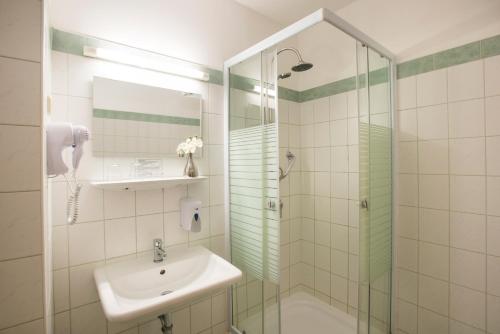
[254,193]
[375,137]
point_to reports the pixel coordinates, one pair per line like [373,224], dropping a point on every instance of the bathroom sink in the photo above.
[138,287]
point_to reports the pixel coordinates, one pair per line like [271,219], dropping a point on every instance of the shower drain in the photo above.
[166,292]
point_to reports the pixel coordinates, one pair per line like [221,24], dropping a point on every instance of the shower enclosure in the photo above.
[309,180]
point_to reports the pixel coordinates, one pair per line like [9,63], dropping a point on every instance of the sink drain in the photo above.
[166,292]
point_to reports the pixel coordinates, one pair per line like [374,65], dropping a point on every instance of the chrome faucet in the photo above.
[158,252]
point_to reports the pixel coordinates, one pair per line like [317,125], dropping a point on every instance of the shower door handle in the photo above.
[364,204]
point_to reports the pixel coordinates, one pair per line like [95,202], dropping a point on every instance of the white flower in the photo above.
[189,146]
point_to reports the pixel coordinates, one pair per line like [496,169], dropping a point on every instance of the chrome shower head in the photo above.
[301,65]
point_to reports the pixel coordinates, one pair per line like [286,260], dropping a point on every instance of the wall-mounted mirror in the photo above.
[137,120]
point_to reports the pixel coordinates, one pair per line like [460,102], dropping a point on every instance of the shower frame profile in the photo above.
[320,15]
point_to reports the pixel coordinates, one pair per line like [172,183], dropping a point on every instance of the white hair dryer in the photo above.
[59,137]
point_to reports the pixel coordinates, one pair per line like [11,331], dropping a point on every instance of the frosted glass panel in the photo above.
[375,130]
[254,194]
[254,226]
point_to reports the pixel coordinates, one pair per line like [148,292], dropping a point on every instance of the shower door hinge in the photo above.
[271,204]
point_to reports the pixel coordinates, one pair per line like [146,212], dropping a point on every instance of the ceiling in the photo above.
[409,28]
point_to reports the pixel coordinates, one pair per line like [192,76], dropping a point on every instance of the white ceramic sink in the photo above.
[138,287]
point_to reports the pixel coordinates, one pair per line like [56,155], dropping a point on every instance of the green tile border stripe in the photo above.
[141,117]
[485,48]
[73,43]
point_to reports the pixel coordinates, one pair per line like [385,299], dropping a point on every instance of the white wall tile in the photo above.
[408,189]
[493,196]
[468,231]
[433,294]
[434,226]
[322,110]
[86,243]
[20,29]
[407,93]
[431,88]
[321,134]
[338,106]
[492,115]
[216,99]
[491,79]
[88,319]
[466,118]
[493,226]
[433,157]
[60,290]
[467,156]
[118,204]
[20,152]
[407,222]
[468,306]
[91,204]
[468,269]
[174,234]
[149,201]
[433,191]
[338,129]
[216,190]
[201,315]
[120,237]
[461,328]
[408,157]
[407,256]
[433,122]
[407,317]
[20,96]
[493,155]
[149,227]
[322,159]
[471,87]
[340,159]
[21,290]
[434,260]
[408,125]
[493,310]
[60,252]
[430,322]
[407,285]
[82,284]
[59,72]
[467,194]
[493,278]
[21,225]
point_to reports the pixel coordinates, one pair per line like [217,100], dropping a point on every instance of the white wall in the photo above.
[206,32]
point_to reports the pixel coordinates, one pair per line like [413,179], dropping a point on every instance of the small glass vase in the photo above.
[190,170]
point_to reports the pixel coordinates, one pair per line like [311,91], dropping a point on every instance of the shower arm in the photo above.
[297,53]
[291,161]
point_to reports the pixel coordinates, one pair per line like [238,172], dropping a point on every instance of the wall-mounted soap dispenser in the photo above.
[191,214]
[59,137]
